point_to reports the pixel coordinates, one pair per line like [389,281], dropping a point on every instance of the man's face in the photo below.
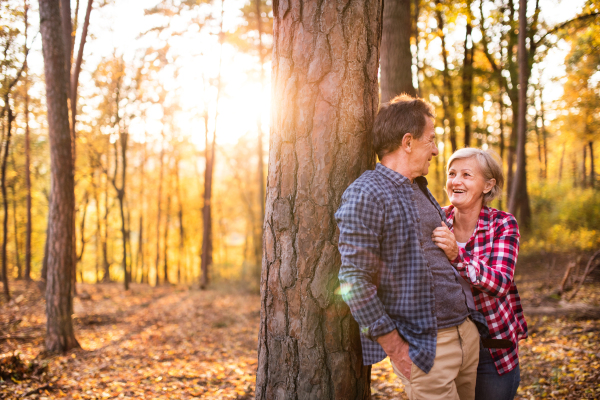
[423,150]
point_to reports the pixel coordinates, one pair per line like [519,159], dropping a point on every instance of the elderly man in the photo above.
[399,285]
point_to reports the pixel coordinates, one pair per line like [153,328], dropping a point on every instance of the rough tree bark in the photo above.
[396,56]
[325,97]
[519,198]
[60,335]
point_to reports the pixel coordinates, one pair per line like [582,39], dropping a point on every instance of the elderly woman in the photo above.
[482,245]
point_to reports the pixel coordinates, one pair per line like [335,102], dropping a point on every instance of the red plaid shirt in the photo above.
[488,263]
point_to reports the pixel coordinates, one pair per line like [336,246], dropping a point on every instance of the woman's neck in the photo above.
[465,221]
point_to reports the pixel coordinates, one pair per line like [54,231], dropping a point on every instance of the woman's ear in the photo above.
[489,185]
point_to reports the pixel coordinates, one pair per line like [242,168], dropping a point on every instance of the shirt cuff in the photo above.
[378,328]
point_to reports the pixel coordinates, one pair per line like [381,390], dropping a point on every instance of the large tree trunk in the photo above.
[519,199]
[396,56]
[60,335]
[325,97]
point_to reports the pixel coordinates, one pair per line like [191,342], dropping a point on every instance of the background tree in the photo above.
[396,56]
[60,335]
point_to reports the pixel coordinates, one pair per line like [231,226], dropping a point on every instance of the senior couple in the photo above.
[432,287]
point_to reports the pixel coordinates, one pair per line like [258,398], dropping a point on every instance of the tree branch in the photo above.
[565,24]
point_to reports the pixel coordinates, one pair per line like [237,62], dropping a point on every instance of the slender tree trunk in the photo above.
[140,252]
[396,56]
[416,36]
[159,211]
[467,77]
[106,277]
[592,172]
[16,224]
[123,139]
[60,335]
[260,152]
[166,279]
[562,159]
[86,201]
[98,225]
[502,144]
[448,92]
[27,158]
[182,252]
[308,342]
[207,243]
[584,167]
[519,199]
[544,136]
[6,147]
[538,137]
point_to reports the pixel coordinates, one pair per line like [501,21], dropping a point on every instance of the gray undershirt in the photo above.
[450,307]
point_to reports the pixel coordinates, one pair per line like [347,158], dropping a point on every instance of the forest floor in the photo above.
[170,342]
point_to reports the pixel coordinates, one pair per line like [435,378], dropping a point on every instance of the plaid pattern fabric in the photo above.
[384,276]
[488,263]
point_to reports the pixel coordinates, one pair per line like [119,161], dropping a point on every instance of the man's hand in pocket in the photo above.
[397,349]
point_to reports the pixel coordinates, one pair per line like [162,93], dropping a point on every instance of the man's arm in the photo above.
[360,219]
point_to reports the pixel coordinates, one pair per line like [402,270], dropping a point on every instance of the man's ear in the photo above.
[407,142]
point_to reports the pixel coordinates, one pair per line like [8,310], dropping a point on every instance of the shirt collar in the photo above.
[392,175]
[483,223]
[398,178]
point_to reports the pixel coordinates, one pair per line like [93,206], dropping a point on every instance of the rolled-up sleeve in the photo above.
[360,219]
[493,276]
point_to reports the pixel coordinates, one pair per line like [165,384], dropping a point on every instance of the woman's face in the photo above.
[466,184]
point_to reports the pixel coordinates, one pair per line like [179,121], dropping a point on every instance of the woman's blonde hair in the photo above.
[488,166]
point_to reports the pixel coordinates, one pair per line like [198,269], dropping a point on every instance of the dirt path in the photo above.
[173,343]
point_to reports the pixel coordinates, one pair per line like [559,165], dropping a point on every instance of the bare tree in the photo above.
[325,63]
[210,152]
[396,56]
[519,199]
[60,335]
[27,154]
[448,92]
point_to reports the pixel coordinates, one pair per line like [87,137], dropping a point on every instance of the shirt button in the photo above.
[418,219]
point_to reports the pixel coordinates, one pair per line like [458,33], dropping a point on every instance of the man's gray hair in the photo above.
[489,167]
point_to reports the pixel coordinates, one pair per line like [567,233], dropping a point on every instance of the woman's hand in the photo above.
[445,240]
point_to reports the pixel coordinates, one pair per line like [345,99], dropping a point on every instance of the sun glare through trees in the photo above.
[170,172]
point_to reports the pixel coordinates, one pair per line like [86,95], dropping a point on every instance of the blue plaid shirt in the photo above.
[384,276]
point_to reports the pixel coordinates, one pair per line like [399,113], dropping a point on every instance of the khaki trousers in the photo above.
[454,370]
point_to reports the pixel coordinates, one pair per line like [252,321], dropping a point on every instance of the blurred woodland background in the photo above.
[169,110]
